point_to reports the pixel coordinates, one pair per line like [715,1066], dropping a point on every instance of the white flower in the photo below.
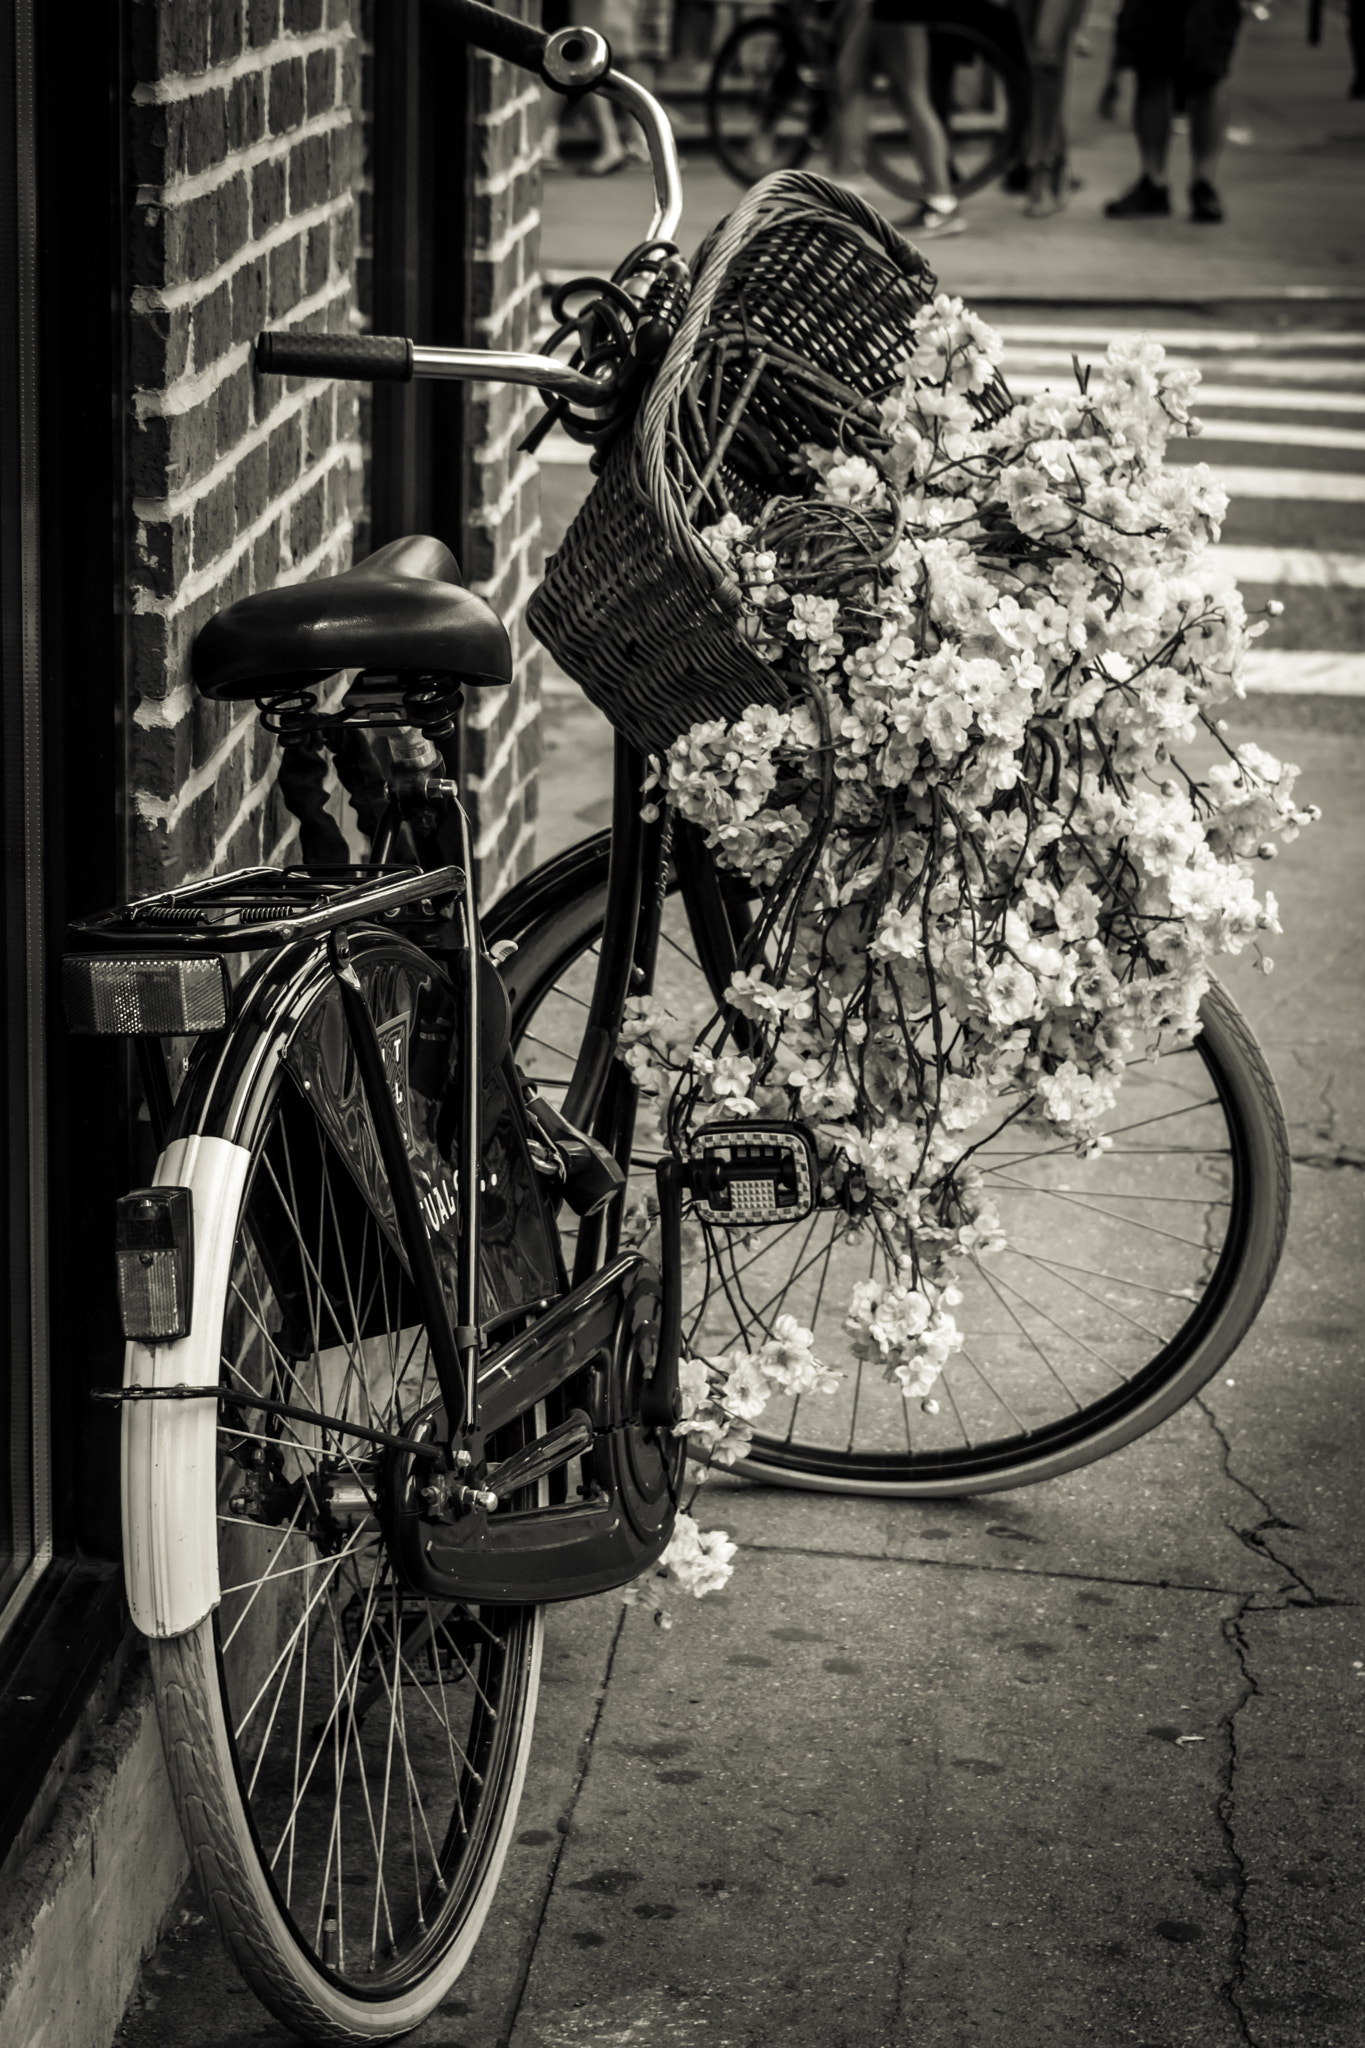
[698,1559]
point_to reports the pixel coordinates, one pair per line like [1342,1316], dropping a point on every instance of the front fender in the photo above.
[169,1449]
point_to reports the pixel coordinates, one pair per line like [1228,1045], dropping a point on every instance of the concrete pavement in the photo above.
[1079,1763]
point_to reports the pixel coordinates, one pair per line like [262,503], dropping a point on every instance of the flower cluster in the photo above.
[986,877]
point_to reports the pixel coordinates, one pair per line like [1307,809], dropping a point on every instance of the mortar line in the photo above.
[585,1748]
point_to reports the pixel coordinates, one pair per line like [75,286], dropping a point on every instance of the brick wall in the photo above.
[243,143]
[247,148]
[503,554]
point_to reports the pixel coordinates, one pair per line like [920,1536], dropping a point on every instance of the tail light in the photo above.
[135,995]
[154,1247]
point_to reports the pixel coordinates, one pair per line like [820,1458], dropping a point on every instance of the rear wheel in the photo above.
[1128,1280]
[347,1757]
[764,102]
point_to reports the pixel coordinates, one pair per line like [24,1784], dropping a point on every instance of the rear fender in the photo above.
[169,1452]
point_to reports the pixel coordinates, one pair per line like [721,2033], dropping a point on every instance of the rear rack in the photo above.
[255,909]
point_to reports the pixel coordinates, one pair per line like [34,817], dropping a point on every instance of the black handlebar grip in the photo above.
[502,35]
[370,358]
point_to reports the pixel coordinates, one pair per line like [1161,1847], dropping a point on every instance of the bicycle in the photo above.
[397,1374]
[768,95]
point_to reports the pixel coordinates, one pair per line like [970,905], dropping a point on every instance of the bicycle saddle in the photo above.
[401,610]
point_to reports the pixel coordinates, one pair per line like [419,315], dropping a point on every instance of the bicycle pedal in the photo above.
[591,1175]
[745,1174]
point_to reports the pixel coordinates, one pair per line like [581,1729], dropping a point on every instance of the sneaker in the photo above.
[935,220]
[1143,199]
[1204,201]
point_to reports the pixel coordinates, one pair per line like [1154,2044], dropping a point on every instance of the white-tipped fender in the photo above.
[170,1538]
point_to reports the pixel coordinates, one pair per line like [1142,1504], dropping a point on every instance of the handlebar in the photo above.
[392,359]
[572,62]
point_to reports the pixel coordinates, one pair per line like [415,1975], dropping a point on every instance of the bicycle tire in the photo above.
[982,99]
[764,106]
[346,1758]
[1029,1413]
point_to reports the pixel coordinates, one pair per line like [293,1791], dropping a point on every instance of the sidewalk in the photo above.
[1077,1766]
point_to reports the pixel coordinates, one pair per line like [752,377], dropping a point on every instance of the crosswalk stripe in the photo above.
[1294,434]
[1323,486]
[1242,397]
[1189,340]
[1258,370]
[1301,568]
[1294,671]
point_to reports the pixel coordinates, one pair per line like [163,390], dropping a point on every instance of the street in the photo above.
[1080,1762]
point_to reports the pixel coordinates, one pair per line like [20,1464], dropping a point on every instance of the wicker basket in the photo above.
[801,307]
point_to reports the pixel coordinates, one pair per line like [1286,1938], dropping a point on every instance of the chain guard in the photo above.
[599,1347]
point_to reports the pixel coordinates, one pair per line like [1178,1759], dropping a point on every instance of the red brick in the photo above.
[249,298]
[320,81]
[285,287]
[170,452]
[246,110]
[265,557]
[286,95]
[265,753]
[307,520]
[286,456]
[338,493]
[234,217]
[168,38]
[215,523]
[162,552]
[318,425]
[493,283]
[251,484]
[263,22]
[269,190]
[225,30]
[341,158]
[210,723]
[308,173]
[196,133]
[159,342]
[211,326]
[158,759]
[316,257]
[234,410]
[302,17]
[344,239]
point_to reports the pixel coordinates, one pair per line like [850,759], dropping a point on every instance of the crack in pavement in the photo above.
[1225,1806]
[1296,1595]
[1255,1537]
[1331,1162]
[1015,1571]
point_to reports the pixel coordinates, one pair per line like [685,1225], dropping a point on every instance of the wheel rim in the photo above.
[762,105]
[1115,1299]
[374,1734]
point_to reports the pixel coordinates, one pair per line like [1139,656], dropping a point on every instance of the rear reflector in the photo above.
[154,1247]
[133,995]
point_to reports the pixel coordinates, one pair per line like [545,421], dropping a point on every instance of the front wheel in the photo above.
[346,1756]
[1128,1279]
[764,104]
